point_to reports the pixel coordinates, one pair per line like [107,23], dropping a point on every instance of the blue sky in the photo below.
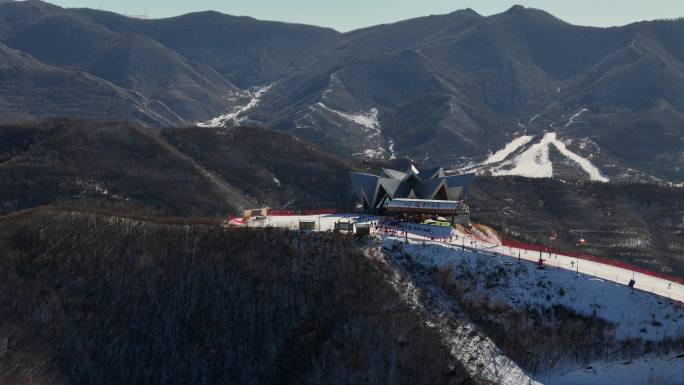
[345,15]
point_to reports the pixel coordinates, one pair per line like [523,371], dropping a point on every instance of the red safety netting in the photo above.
[235,221]
[283,212]
[605,261]
[319,211]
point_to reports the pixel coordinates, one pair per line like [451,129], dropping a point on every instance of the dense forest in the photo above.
[93,298]
[213,172]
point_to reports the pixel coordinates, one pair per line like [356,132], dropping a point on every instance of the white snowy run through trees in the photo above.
[490,245]
[589,286]
[371,128]
[237,115]
[508,149]
[534,162]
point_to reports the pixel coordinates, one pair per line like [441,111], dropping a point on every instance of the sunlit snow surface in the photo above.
[368,119]
[633,312]
[602,292]
[598,288]
[370,125]
[534,162]
[647,370]
[509,149]
[237,114]
[575,116]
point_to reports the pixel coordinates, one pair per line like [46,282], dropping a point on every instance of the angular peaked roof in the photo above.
[365,187]
[373,190]
[389,173]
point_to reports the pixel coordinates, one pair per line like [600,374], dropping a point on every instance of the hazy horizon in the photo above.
[354,14]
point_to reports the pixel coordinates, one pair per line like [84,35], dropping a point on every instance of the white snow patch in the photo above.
[508,149]
[371,127]
[333,80]
[488,243]
[534,118]
[573,118]
[598,288]
[368,119]
[584,163]
[236,116]
[649,370]
[92,186]
[276,181]
[478,353]
[324,222]
[535,163]
[393,154]
[633,313]
[371,153]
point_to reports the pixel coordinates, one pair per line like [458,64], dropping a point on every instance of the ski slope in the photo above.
[575,116]
[371,128]
[647,370]
[633,313]
[478,354]
[651,312]
[368,119]
[490,244]
[508,149]
[534,162]
[237,115]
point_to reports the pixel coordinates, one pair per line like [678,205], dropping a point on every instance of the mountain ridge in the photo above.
[442,89]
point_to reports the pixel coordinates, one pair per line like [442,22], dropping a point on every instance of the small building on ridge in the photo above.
[415,193]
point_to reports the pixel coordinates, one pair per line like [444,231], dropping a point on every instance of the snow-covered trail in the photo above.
[575,116]
[490,244]
[508,149]
[476,352]
[584,163]
[648,283]
[236,115]
[479,355]
[650,370]
[371,128]
[534,162]
[369,119]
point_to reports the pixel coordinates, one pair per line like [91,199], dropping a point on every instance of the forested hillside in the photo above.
[109,300]
[182,172]
[448,89]
[215,172]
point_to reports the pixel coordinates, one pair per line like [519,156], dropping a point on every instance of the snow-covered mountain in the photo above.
[541,156]
[447,89]
[560,327]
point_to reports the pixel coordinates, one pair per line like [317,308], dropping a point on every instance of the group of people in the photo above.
[404,229]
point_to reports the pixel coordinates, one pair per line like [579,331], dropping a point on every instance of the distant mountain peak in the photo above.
[466,11]
[527,13]
[516,8]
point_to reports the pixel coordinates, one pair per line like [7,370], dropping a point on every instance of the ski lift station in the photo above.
[415,195]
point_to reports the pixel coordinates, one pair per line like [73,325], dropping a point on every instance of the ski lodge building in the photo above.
[415,194]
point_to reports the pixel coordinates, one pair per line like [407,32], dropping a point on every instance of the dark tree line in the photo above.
[99,299]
